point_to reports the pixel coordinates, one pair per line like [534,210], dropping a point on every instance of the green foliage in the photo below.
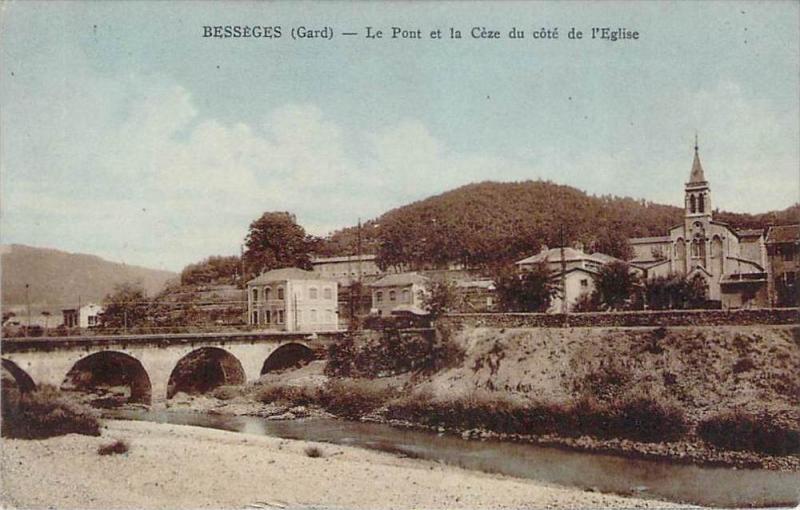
[615,286]
[443,297]
[125,307]
[765,432]
[674,292]
[44,413]
[275,240]
[531,291]
[215,269]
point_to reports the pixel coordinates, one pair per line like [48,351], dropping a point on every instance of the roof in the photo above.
[399,280]
[746,262]
[345,258]
[554,255]
[408,309]
[696,176]
[283,274]
[647,263]
[783,234]
[750,232]
[649,240]
[483,284]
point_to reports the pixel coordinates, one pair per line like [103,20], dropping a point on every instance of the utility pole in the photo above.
[28,306]
[563,274]
[358,287]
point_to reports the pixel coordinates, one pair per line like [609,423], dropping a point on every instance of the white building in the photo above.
[291,299]
[87,316]
[347,269]
[399,293]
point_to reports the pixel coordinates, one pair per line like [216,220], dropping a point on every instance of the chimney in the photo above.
[544,248]
[579,246]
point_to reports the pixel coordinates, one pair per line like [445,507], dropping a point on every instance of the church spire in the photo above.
[697,169]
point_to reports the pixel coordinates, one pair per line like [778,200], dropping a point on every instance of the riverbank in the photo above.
[172,466]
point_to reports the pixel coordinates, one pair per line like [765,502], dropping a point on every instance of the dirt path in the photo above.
[171,466]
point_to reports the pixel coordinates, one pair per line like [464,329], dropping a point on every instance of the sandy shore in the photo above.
[171,466]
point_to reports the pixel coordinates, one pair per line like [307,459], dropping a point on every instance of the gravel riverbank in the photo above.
[171,466]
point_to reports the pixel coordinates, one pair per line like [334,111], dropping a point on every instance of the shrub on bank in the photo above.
[226,392]
[640,418]
[354,398]
[763,432]
[44,413]
[113,448]
[293,395]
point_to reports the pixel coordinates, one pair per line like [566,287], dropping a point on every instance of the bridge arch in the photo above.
[286,356]
[23,381]
[204,369]
[109,369]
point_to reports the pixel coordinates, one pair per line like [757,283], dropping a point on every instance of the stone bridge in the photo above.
[155,367]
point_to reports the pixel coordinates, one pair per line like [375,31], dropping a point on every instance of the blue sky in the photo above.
[127,135]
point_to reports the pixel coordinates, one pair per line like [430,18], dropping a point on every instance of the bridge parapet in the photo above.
[26,344]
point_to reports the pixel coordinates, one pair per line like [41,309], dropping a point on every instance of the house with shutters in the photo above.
[292,299]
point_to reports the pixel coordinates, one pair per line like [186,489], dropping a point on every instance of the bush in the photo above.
[118,446]
[764,432]
[293,395]
[355,398]
[645,419]
[226,392]
[313,452]
[45,413]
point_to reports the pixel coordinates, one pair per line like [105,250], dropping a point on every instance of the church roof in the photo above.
[696,177]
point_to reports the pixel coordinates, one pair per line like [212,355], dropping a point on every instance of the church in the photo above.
[729,263]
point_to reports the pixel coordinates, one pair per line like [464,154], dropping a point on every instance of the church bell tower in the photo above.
[698,193]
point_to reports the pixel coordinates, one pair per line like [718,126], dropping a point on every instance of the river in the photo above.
[707,486]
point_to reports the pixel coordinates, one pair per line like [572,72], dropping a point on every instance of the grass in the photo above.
[115,447]
[44,413]
[226,392]
[764,432]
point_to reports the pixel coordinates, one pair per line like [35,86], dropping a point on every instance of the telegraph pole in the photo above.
[563,274]
[28,306]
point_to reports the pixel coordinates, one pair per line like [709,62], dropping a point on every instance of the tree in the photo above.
[125,307]
[442,298]
[615,286]
[215,269]
[674,292]
[275,240]
[531,291]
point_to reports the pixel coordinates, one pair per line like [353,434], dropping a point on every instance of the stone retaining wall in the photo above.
[768,316]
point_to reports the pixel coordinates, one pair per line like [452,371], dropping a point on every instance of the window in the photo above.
[379,297]
[327,293]
[255,295]
[788,253]
[406,296]
[254,318]
[392,295]
[701,203]
[312,293]
[267,317]
[280,315]
[280,293]
[692,204]
[329,316]
[313,316]
[584,282]
[267,292]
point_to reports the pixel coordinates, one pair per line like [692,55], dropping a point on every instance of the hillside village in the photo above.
[700,262]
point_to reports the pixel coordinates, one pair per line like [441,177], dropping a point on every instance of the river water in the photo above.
[707,486]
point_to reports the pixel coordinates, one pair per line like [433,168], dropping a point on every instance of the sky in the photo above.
[126,134]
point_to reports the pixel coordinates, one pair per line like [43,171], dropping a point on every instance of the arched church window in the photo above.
[692,204]
[701,206]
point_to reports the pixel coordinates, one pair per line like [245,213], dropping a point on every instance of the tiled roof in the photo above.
[398,280]
[750,232]
[554,255]
[784,234]
[286,273]
[345,258]
[649,240]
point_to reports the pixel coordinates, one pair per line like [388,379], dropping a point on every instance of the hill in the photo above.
[58,279]
[492,223]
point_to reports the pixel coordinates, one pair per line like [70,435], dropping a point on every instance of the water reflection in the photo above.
[708,486]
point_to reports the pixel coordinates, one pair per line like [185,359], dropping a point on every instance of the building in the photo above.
[347,269]
[399,293]
[730,264]
[579,270]
[783,264]
[477,296]
[87,316]
[292,299]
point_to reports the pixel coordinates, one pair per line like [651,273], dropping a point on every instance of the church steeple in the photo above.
[696,176]
[698,193]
